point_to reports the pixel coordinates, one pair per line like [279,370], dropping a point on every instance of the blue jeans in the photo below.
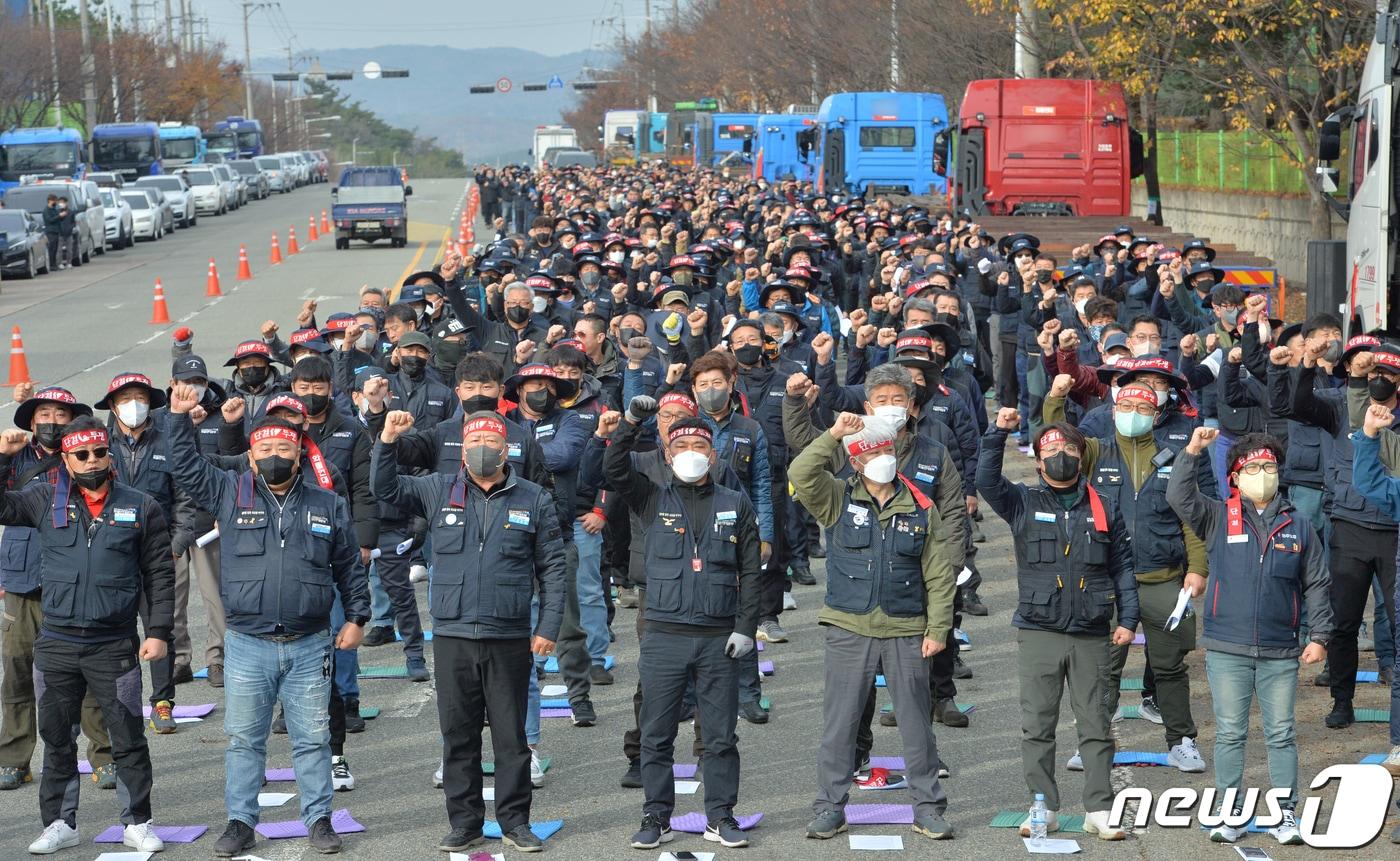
[347,661]
[1023,403]
[1234,681]
[257,673]
[379,606]
[592,605]
[1222,472]
[532,699]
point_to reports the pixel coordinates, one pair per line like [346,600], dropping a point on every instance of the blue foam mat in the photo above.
[543,830]
[551,663]
[1139,757]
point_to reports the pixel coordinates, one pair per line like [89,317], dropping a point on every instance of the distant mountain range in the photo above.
[434,99]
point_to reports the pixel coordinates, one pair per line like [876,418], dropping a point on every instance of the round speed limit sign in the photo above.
[503,85]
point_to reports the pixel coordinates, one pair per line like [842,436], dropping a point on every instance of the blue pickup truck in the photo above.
[370,203]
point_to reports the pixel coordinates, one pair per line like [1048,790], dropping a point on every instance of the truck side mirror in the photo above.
[1327,179]
[407,190]
[1329,139]
[335,189]
[748,146]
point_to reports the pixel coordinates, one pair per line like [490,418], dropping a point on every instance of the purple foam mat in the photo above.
[892,763]
[765,668]
[694,823]
[880,814]
[683,770]
[759,645]
[280,775]
[186,711]
[556,713]
[84,767]
[168,833]
[341,821]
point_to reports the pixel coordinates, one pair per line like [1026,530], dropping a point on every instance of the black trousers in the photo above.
[632,739]
[798,534]
[1008,390]
[393,574]
[774,581]
[63,673]
[572,647]
[1357,554]
[162,671]
[479,679]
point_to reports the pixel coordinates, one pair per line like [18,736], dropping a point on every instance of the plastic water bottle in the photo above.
[1040,820]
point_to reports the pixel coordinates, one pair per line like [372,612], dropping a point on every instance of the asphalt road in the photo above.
[83,326]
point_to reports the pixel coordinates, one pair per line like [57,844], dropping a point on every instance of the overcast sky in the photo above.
[550,27]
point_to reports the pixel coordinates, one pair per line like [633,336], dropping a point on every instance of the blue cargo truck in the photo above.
[131,149]
[48,153]
[370,203]
[730,132]
[785,146]
[181,145]
[883,143]
[248,136]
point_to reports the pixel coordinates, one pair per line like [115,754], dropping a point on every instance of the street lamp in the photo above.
[321,119]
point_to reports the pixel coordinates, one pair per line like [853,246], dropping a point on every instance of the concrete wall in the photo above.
[1273,226]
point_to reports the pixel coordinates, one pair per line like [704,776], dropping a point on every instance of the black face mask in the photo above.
[540,401]
[922,394]
[1380,389]
[275,470]
[479,404]
[315,404]
[517,313]
[1044,275]
[1204,285]
[253,377]
[542,239]
[627,333]
[93,479]
[414,366]
[948,319]
[448,354]
[749,354]
[49,435]
[1061,467]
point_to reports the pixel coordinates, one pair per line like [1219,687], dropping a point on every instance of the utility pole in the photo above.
[186,27]
[136,112]
[651,67]
[247,62]
[112,61]
[88,67]
[894,45]
[53,61]
[1027,40]
[169,24]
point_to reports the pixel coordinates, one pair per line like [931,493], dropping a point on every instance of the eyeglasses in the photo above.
[1143,336]
[83,454]
[669,416]
[1140,409]
[1067,448]
[1255,467]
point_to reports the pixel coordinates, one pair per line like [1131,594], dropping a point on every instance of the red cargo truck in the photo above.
[1045,146]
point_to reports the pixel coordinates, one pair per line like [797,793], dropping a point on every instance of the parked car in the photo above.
[208,191]
[295,167]
[278,179]
[167,212]
[117,214]
[254,176]
[26,248]
[107,179]
[146,215]
[177,193]
[229,179]
[33,197]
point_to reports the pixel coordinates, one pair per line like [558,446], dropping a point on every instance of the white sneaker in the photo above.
[536,769]
[437,776]
[1186,757]
[341,778]
[142,837]
[1226,834]
[1052,824]
[57,836]
[1076,763]
[1392,763]
[1096,822]
[789,602]
[1286,832]
[1118,714]
[1148,711]
[417,573]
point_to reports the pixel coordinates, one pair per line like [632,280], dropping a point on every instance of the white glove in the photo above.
[738,646]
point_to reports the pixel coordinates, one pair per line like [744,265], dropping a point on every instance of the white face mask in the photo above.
[1163,397]
[786,338]
[1113,394]
[881,470]
[133,413]
[617,256]
[690,466]
[896,414]
[199,393]
[739,245]
[540,304]
[1081,305]
[366,339]
[651,242]
[431,308]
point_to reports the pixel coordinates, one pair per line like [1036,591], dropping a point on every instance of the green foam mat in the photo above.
[1373,715]
[369,712]
[1130,685]
[490,767]
[1131,712]
[399,672]
[1014,818]
[765,703]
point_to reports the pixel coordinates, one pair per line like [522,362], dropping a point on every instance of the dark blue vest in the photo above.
[872,564]
[675,548]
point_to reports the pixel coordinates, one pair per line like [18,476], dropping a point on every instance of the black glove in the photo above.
[641,408]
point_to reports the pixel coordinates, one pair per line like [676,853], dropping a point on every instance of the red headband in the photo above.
[1051,437]
[1258,454]
[1390,361]
[862,446]
[128,380]
[286,402]
[914,342]
[77,439]
[485,423]
[274,432]
[703,433]
[678,398]
[1136,391]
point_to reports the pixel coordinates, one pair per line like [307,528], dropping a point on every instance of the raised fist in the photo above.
[269,330]
[1235,356]
[183,398]
[1008,418]
[674,372]
[846,424]
[1061,386]
[376,391]
[1201,438]
[13,441]
[822,346]
[798,384]
[608,422]
[641,408]
[396,424]
[1281,355]
[859,317]
[232,410]
[555,333]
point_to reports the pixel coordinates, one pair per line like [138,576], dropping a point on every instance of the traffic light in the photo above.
[286,76]
[394,73]
[340,76]
[535,88]
[481,90]
[585,85]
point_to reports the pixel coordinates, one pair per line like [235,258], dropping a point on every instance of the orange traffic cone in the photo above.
[325,223]
[211,284]
[159,313]
[276,252]
[292,247]
[19,366]
[245,273]
[311,235]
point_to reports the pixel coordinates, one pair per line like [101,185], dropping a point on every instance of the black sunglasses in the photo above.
[83,454]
